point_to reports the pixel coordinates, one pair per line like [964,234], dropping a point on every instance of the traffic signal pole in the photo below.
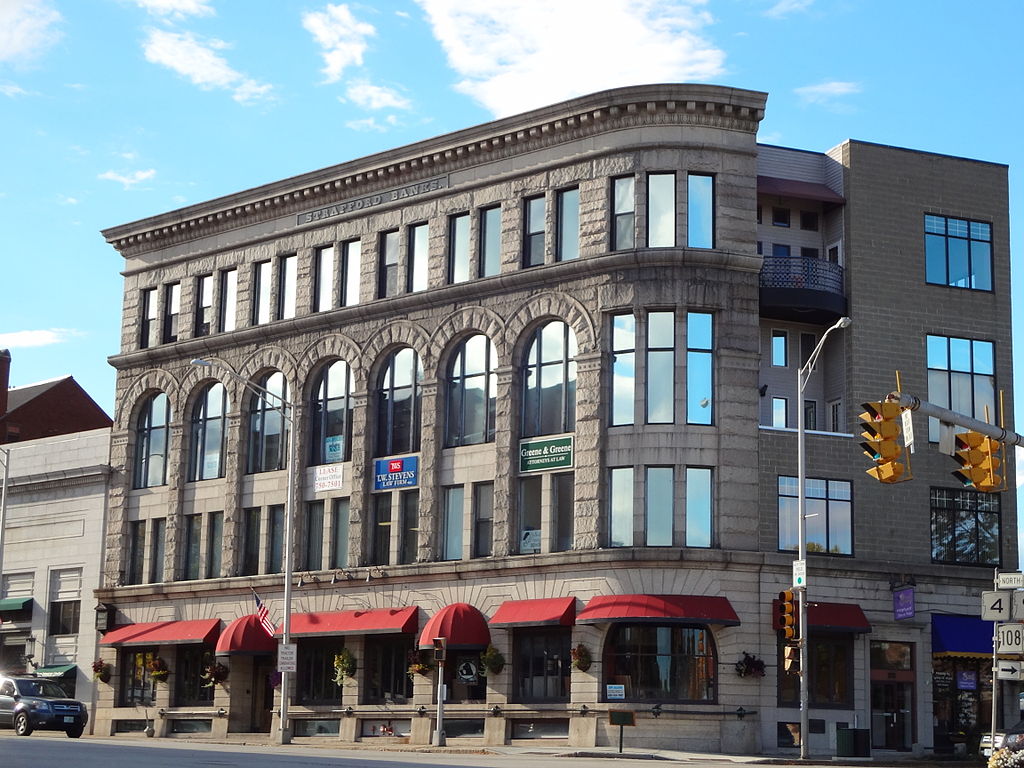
[944,415]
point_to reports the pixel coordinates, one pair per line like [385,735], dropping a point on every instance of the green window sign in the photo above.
[545,454]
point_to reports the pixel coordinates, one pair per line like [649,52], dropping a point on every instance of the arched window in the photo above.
[268,431]
[151,442]
[549,381]
[332,414]
[206,452]
[398,404]
[661,662]
[471,389]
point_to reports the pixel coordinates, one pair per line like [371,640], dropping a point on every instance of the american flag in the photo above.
[264,616]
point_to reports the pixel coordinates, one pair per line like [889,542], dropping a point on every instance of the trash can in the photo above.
[844,742]
[853,742]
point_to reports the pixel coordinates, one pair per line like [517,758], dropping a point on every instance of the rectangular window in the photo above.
[529,514]
[275,543]
[829,512]
[138,688]
[567,225]
[808,341]
[780,412]
[286,276]
[351,252]
[835,416]
[458,248]
[339,533]
[410,526]
[620,507]
[419,246]
[966,527]
[780,355]
[388,281]
[659,508]
[661,210]
[809,220]
[228,310]
[700,211]
[193,525]
[453,504]
[215,545]
[314,677]
[189,687]
[661,361]
[809,253]
[623,213]
[387,663]
[780,217]
[830,673]
[204,306]
[958,252]
[699,368]
[261,293]
[541,664]
[172,310]
[563,503]
[323,289]
[251,541]
[380,547]
[780,251]
[533,232]
[483,519]
[490,241]
[149,328]
[810,414]
[698,506]
[623,369]
[136,554]
[961,377]
[313,551]
[64,617]
[156,550]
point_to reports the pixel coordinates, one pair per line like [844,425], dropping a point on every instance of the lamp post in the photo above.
[6,454]
[802,376]
[288,416]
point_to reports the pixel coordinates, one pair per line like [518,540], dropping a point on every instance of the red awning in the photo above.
[245,636]
[679,609]
[377,621]
[462,624]
[803,190]
[830,617]
[164,633]
[533,613]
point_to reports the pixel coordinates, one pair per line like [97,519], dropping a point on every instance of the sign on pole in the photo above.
[908,431]
[799,574]
[1010,638]
[1008,670]
[287,657]
[1010,580]
[995,606]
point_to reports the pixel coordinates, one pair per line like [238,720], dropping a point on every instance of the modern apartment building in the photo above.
[541,395]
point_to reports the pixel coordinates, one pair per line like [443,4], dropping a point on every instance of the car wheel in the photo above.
[22,727]
[73,733]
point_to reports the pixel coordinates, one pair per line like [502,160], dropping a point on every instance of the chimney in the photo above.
[5,378]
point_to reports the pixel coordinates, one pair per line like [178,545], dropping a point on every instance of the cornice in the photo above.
[671,104]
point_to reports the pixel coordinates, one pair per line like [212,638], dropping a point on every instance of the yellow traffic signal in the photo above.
[881,431]
[978,457]
[786,614]
[791,659]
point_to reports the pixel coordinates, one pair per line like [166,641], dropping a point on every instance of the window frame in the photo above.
[321,408]
[665,209]
[149,436]
[632,652]
[622,398]
[458,405]
[389,442]
[959,511]
[567,213]
[697,218]
[261,292]
[262,455]
[324,262]
[972,275]
[489,243]
[534,207]
[388,277]
[535,365]
[200,449]
[623,220]
[417,271]
[149,318]
[171,313]
[696,352]
[203,314]
[829,513]
[459,267]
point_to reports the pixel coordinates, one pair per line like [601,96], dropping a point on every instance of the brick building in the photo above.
[541,380]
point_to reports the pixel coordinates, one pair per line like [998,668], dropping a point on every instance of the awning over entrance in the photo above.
[245,637]
[679,609]
[830,617]
[463,625]
[14,604]
[964,636]
[377,621]
[802,190]
[164,633]
[57,670]
[546,611]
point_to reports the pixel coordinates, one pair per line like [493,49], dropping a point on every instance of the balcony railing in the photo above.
[802,289]
[811,274]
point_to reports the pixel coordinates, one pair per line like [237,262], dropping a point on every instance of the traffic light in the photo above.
[791,659]
[440,646]
[881,432]
[786,620]
[978,457]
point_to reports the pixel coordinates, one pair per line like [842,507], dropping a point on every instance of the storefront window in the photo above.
[661,663]
[830,682]
[137,686]
[541,664]
[190,687]
[314,682]
[387,661]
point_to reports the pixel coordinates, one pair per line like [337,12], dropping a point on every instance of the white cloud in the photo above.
[370,96]
[826,93]
[11,90]
[27,29]
[176,9]
[371,124]
[199,62]
[784,7]
[65,200]
[341,36]
[42,338]
[514,55]
[130,180]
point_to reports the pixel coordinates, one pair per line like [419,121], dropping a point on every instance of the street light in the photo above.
[802,377]
[6,453]
[287,414]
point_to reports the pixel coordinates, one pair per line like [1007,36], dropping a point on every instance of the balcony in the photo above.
[802,289]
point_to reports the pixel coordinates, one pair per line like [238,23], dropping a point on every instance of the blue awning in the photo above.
[965,636]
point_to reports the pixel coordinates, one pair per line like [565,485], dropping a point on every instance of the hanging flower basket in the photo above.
[214,674]
[344,666]
[492,660]
[101,671]
[579,658]
[419,664]
[750,666]
[158,670]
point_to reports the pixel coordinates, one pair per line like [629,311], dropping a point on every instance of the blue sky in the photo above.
[114,110]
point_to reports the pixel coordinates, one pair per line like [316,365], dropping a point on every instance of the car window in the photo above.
[7,689]
[40,688]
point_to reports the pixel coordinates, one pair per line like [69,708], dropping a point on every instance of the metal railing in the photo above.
[800,272]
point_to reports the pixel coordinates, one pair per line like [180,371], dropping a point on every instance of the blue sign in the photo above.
[903,603]
[396,473]
[966,680]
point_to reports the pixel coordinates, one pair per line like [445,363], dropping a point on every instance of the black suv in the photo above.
[28,703]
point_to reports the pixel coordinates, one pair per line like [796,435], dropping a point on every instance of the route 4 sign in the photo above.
[995,605]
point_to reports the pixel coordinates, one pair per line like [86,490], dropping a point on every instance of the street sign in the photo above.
[1017,605]
[908,431]
[287,657]
[1010,638]
[995,605]
[799,574]
[1009,670]
[1010,580]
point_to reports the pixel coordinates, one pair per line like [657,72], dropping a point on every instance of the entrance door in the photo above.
[891,709]
[262,700]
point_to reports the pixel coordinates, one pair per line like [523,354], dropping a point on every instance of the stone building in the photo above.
[534,384]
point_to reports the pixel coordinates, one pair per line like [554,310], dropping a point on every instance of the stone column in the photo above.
[430,452]
[505,452]
[362,479]
[587,448]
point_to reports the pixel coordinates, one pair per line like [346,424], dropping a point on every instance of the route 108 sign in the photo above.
[1010,638]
